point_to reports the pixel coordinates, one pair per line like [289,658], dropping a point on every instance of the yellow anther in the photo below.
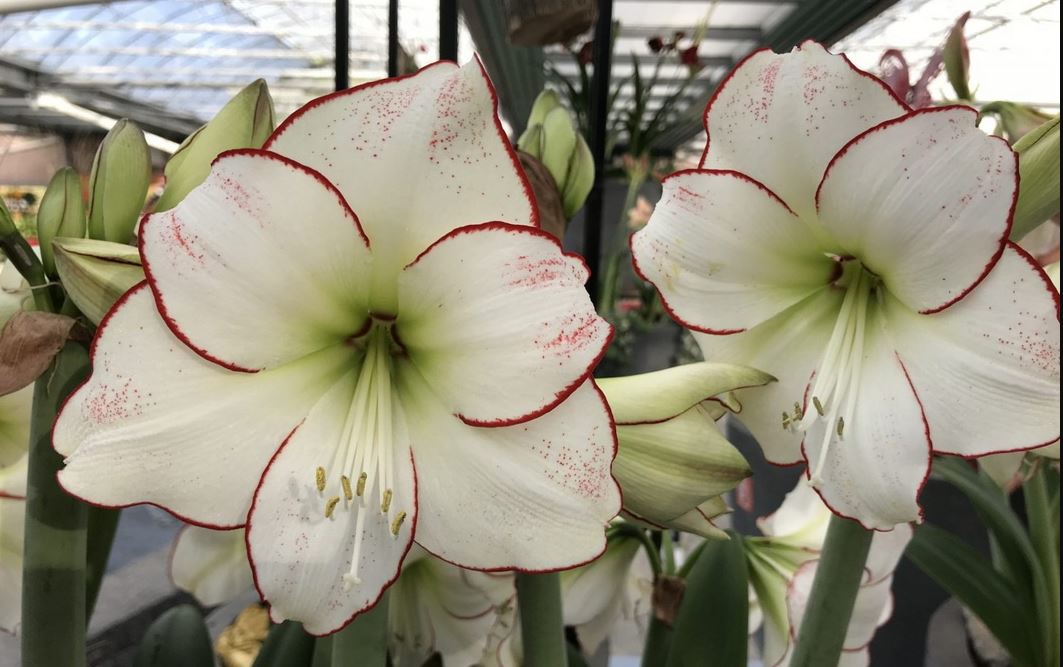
[785,420]
[397,523]
[819,406]
[361,484]
[798,412]
[330,506]
[841,426]
[385,504]
[319,476]
[345,482]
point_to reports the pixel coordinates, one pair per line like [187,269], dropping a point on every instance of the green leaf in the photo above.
[712,625]
[287,645]
[364,642]
[1010,535]
[965,573]
[246,121]
[178,638]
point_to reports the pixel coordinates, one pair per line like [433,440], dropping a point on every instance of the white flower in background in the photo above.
[436,607]
[12,519]
[618,585]
[337,346]
[15,292]
[782,567]
[14,447]
[858,251]
[211,564]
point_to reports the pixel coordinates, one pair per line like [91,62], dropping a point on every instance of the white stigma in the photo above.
[835,387]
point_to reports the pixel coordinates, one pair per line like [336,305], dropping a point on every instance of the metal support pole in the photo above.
[393,37]
[343,44]
[599,101]
[448,30]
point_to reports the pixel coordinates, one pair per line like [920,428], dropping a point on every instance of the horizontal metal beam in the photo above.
[720,34]
[309,85]
[324,56]
[27,79]
[198,28]
[115,72]
[564,58]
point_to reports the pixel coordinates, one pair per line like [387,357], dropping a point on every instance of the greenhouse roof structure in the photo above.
[171,64]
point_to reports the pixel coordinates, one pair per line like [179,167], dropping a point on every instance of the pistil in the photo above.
[365,449]
[836,382]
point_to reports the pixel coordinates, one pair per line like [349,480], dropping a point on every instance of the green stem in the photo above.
[658,643]
[102,525]
[21,255]
[541,626]
[611,280]
[1040,514]
[53,576]
[365,641]
[830,604]
[625,529]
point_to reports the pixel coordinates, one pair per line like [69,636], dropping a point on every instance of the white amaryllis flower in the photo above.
[595,596]
[339,345]
[436,607]
[857,250]
[211,564]
[783,565]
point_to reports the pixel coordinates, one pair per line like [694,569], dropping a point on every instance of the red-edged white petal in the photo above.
[534,496]
[298,555]
[788,346]
[874,474]
[415,156]
[887,547]
[872,607]
[439,607]
[726,253]
[211,564]
[987,369]
[156,423]
[495,307]
[801,519]
[261,264]
[781,118]
[924,201]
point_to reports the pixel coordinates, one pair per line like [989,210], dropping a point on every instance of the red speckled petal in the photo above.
[497,319]
[261,264]
[535,496]
[781,118]
[725,253]
[158,424]
[925,202]
[415,156]
[887,434]
[987,369]
[298,555]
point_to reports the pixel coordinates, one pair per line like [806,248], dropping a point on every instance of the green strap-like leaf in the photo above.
[287,645]
[966,574]
[178,638]
[712,625]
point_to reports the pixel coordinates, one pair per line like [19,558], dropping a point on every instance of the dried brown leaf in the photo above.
[28,343]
